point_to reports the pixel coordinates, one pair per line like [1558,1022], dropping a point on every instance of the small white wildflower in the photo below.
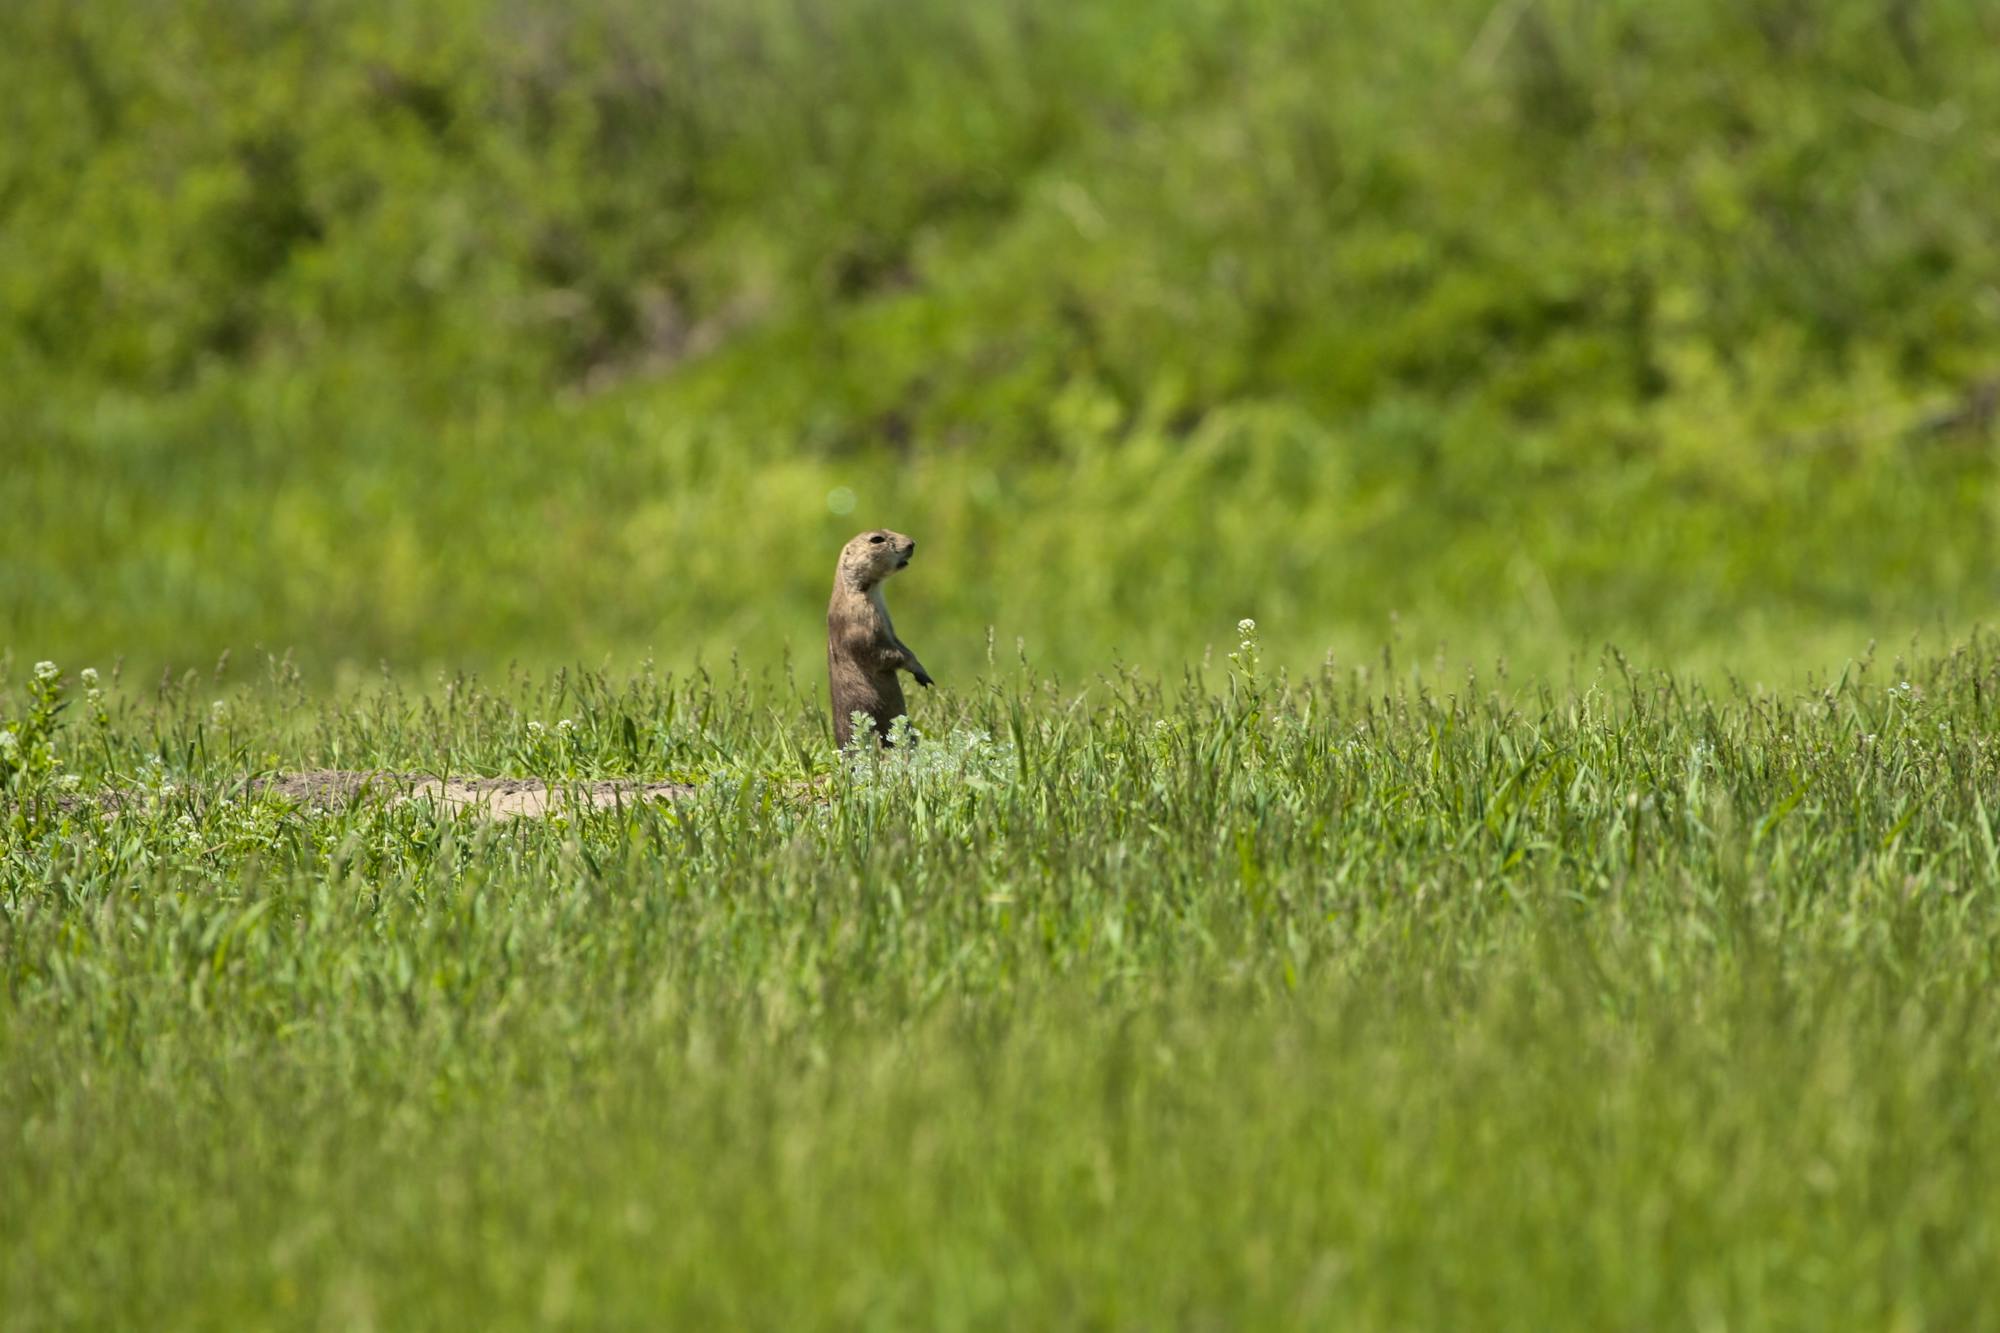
[218,711]
[535,728]
[89,677]
[1246,626]
[46,671]
[565,727]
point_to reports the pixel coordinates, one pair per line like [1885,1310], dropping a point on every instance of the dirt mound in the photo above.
[501,798]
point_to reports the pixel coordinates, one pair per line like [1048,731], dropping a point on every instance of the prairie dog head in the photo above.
[873,556]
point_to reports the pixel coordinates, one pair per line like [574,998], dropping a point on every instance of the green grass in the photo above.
[377,380]
[1373,999]
[546,332]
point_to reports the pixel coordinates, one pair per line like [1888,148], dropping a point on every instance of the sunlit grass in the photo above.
[1357,998]
[1293,913]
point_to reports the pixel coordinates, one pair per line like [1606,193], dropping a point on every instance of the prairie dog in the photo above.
[863,653]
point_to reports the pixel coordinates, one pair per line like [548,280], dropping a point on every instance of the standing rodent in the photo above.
[863,653]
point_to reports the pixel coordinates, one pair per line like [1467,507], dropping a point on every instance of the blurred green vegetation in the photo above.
[472,330]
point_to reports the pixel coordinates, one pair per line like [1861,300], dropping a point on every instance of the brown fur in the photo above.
[863,653]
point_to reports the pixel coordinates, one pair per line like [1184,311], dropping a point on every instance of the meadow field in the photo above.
[1359,1000]
[1456,545]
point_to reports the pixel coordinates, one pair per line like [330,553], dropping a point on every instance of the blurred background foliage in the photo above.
[480,329]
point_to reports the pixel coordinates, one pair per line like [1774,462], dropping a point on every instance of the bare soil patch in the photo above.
[500,798]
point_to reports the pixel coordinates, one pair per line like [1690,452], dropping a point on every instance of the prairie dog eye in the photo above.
[877,539]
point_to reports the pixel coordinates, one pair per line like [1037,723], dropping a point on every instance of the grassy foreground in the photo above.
[1369,1000]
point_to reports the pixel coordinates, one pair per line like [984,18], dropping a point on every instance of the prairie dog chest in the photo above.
[883,625]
